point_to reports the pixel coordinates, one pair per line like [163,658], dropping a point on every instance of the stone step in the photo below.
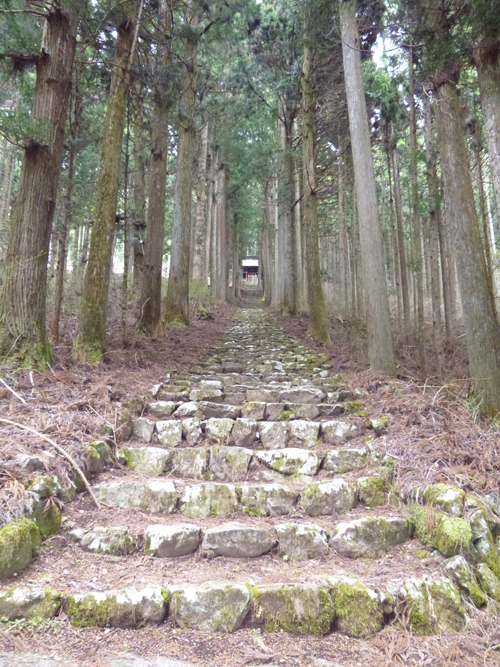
[161,496]
[319,607]
[236,463]
[193,427]
[367,537]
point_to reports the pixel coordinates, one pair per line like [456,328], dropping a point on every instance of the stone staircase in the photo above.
[255,491]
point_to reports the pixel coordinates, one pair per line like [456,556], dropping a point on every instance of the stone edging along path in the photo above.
[244,438]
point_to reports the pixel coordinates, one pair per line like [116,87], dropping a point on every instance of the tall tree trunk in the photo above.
[139,180]
[483,338]
[23,293]
[299,250]
[150,319]
[380,347]
[127,224]
[288,304]
[201,207]
[487,61]
[342,224]
[91,339]
[318,321]
[434,217]
[177,297]
[221,238]
[405,289]
[416,221]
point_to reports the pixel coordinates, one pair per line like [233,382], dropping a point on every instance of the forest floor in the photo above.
[436,436]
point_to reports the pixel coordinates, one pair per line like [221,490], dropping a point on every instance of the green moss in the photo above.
[357,609]
[47,517]
[285,416]
[433,606]
[252,511]
[371,491]
[450,535]
[88,612]
[18,544]
[422,555]
[353,407]
[294,609]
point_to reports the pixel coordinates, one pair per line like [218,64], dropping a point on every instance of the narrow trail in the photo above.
[249,494]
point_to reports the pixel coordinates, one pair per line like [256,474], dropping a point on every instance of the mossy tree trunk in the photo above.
[23,294]
[318,321]
[91,339]
[176,309]
[380,346]
[153,251]
[139,180]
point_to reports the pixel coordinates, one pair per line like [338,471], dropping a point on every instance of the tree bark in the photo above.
[380,347]
[91,338]
[177,297]
[150,319]
[488,69]
[139,180]
[434,221]
[288,303]
[483,339]
[318,321]
[23,293]
[416,222]
[201,208]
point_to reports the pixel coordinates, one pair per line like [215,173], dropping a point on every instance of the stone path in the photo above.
[253,491]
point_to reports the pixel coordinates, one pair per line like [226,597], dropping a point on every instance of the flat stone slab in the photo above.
[169,433]
[127,608]
[274,411]
[158,496]
[172,541]
[306,395]
[341,461]
[290,461]
[188,410]
[267,499]
[149,461]
[304,433]
[273,435]
[111,659]
[203,393]
[143,428]
[262,395]
[116,541]
[338,432]
[218,430]
[204,500]
[219,410]
[229,464]
[244,432]
[254,410]
[191,431]
[370,537]
[302,541]
[29,603]
[331,497]
[210,607]
[294,608]
[161,409]
[189,463]
[303,410]
[237,540]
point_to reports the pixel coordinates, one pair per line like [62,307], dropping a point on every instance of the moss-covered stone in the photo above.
[483,549]
[462,574]
[449,535]
[47,516]
[489,582]
[380,425]
[371,491]
[445,497]
[298,609]
[127,608]
[46,487]
[115,541]
[210,607]
[432,605]
[98,456]
[353,407]
[18,544]
[358,609]
[29,603]
[206,500]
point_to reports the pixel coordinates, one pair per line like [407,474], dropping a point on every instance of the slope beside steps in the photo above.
[256,491]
